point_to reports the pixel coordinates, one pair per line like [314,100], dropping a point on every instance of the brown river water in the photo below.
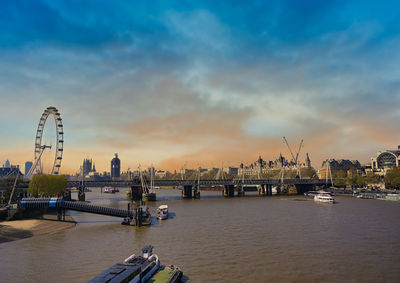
[214,239]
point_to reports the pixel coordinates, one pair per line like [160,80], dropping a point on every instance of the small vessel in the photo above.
[167,274]
[311,193]
[162,212]
[109,190]
[146,216]
[324,197]
[149,197]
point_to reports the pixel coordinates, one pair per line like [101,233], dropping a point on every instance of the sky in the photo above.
[200,83]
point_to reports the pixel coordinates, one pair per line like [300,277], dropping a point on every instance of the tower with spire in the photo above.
[308,161]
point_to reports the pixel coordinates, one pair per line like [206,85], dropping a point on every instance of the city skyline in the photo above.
[201,83]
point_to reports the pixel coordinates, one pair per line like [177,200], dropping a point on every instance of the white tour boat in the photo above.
[162,212]
[324,197]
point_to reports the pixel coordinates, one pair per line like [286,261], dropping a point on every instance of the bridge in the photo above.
[62,205]
[212,182]
[191,188]
[177,183]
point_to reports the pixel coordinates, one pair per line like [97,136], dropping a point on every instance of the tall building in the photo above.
[87,166]
[28,166]
[115,167]
[7,164]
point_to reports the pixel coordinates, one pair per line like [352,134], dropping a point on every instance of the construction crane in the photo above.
[295,159]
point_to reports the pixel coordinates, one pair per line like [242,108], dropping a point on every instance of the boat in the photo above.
[109,190]
[311,193]
[162,212]
[133,269]
[395,197]
[140,269]
[149,197]
[167,274]
[146,216]
[324,197]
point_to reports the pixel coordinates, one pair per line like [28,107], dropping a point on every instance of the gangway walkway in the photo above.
[29,203]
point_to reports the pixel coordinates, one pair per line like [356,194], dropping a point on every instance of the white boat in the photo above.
[162,212]
[324,197]
[134,269]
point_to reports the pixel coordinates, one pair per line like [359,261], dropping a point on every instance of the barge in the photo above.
[140,269]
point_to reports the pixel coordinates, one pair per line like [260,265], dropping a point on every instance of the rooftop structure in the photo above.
[385,160]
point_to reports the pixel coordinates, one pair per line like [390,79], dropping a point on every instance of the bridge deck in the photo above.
[72,205]
[123,183]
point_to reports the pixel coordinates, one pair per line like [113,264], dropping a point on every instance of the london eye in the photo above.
[40,147]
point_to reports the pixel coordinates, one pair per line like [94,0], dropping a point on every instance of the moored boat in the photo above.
[167,274]
[162,212]
[109,190]
[392,197]
[146,216]
[311,193]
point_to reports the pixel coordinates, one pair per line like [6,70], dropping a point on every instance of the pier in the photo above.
[62,205]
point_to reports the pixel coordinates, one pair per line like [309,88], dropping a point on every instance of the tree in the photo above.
[372,178]
[392,179]
[47,185]
[8,184]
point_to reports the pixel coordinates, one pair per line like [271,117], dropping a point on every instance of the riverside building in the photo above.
[385,161]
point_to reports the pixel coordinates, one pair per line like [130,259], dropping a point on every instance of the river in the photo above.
[214,239]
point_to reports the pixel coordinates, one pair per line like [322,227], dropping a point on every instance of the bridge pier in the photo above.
[278,190]
[240,190]
[229,191]
[136,193]
[261,190]
[196,192]
[302,188]
[269,190]
[81,193]
[139,215]
[187,191]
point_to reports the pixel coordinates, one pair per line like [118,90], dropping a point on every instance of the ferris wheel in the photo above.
[40,148]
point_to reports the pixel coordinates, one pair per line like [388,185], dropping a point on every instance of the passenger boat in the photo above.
[140,269]
[162,212]
[324,197]
[133,269]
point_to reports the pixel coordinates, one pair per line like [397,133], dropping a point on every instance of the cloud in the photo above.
[165,83]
